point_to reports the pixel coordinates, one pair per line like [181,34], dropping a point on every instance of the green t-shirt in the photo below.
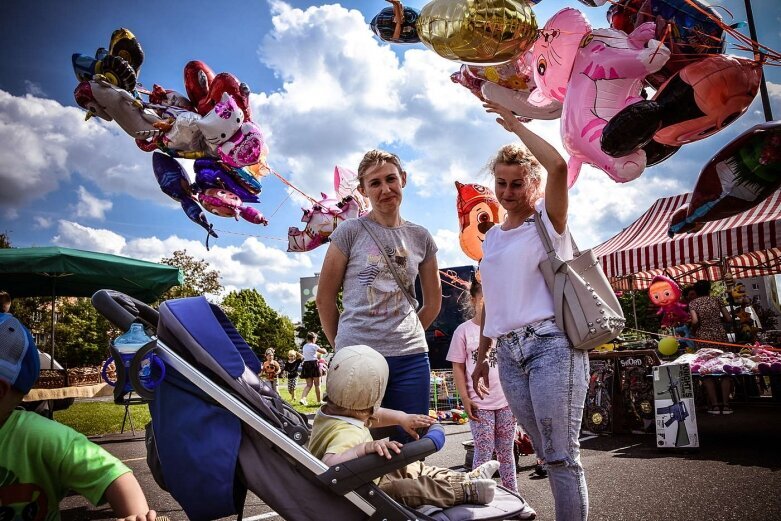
[336,434]
[42,460]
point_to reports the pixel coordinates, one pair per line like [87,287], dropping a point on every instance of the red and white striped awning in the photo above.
[746,245]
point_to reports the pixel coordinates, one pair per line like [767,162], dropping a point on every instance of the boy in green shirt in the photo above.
[41,460]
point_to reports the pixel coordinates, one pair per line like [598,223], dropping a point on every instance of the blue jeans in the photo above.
[545,381]
[408,388]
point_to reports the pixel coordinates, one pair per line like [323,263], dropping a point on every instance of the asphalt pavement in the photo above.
[735,475]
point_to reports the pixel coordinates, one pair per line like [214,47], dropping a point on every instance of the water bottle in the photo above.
[128,345]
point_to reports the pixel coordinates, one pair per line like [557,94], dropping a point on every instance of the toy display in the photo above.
[676,421]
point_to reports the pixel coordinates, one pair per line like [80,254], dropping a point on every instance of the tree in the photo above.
[260,325]
[83,335]
[5,241]
[199,278]
[310,322]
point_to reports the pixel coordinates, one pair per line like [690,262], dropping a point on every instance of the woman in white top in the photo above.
[310,370]
[543,377]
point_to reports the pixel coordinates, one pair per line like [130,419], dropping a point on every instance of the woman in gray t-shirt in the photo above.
[377,312]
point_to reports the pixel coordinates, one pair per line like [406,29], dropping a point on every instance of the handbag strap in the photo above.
[391,265]
[559,267]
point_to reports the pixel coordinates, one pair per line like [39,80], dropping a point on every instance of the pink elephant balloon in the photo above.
[553,55]
[605,75]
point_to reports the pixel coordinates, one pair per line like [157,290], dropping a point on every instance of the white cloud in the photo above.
[41,222]
[75,235]
[34,88]
[90,206]
[774,90]
[449,248]
[45,144]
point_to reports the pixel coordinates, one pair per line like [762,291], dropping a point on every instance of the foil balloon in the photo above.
[221,122]
[596,78]
[477,31]
[321,221]
[740,176]
[346,185]
[227,204]
[478,211]
[210,173]
[518,102]
[665,293]
[173,182]
[691,29]
[508,84]
[124,44]
[246,147]
[396,24]
[698,101]
[553,55]
[106,101]
[205,89]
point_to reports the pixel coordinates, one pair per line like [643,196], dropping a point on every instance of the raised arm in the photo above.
[556,196]
[331,279]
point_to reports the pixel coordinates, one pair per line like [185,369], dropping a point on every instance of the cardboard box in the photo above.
[676,421]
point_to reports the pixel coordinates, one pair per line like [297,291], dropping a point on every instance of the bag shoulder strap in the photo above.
[546,240]
[391,266]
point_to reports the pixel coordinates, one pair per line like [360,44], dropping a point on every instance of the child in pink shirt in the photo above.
[493,424]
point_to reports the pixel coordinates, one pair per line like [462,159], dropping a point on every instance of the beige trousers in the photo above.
[418,484]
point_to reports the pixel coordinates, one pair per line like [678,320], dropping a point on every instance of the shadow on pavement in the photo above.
[746,438]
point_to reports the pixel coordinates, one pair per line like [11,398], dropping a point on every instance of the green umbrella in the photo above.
[53,271]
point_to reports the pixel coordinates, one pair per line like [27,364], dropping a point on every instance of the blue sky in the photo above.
[324,90]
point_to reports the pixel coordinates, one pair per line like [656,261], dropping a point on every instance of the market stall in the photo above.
[745,245]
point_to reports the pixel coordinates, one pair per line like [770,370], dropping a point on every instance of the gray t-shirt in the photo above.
[376,312]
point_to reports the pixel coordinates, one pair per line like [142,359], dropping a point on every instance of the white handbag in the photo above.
[585,306]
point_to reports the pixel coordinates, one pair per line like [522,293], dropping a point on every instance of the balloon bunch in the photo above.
[212,124]
[593,79]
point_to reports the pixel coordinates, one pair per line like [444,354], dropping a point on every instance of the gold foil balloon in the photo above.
[477,31]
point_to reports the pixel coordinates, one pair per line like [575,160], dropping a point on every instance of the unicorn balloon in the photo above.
[321,221]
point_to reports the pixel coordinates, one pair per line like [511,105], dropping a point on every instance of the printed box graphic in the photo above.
[676,422]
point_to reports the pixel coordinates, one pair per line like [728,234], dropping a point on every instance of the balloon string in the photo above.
[280,205]
[251,235]
[450,274]
[700,340]
[294,187]
[767,51]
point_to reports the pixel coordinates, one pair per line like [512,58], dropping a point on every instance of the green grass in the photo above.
[96,418]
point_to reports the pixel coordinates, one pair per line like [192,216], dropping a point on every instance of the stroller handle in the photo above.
[349,475]
[122,310]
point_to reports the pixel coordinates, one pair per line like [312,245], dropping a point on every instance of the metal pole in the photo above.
[54,292]
[762,84]
[634,309]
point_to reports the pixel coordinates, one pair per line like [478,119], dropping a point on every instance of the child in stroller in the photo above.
[217,431]
[355,387]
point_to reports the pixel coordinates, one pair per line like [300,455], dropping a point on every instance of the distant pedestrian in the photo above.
[293,362]
[271,369]
[311,372]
